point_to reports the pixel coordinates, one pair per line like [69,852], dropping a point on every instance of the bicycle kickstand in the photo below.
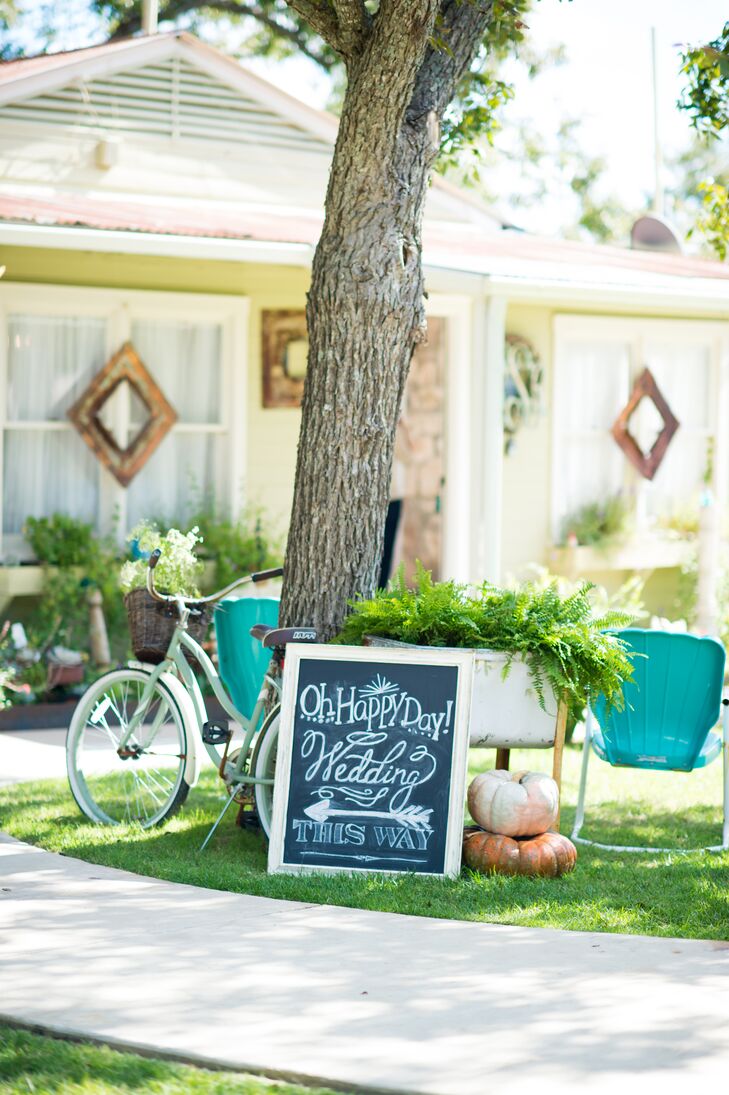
[221,815]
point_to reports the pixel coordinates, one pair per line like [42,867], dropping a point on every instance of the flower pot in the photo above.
[505,712]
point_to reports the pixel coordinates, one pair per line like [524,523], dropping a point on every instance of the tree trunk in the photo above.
[365,308]
[365,315]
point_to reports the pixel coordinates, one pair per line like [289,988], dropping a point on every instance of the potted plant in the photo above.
[532,647]
[178,571]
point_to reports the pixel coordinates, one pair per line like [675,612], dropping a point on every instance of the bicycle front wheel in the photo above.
[143,781]
[263,766]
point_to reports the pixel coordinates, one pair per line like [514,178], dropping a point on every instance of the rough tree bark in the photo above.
[365,308]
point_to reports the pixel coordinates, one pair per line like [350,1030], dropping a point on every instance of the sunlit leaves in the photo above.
[706,95]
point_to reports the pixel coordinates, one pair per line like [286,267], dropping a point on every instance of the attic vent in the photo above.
[653,233]
[171,99]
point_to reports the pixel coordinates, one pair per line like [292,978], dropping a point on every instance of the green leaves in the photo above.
[713,220]
[706,95]
[566,647]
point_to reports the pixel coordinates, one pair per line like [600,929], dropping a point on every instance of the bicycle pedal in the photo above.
[248,819]
[213,733]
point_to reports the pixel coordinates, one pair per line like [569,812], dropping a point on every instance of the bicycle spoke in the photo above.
[143,784]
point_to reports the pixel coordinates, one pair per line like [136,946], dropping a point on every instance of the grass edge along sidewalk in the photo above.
[52,1064]
[661,895]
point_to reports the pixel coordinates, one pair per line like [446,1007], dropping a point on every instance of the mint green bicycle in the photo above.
[135,744]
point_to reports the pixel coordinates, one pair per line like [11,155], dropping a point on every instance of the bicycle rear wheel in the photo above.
[263,766]
[146,783]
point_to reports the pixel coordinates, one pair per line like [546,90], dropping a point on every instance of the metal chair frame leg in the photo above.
[580,811]
[586,750]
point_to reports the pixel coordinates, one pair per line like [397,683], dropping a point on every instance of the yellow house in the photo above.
[155,192]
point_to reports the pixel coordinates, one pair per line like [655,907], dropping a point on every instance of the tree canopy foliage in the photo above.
[706,99]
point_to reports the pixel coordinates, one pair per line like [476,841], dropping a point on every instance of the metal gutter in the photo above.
[153,243]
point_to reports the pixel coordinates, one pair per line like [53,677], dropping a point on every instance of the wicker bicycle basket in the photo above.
[151,624]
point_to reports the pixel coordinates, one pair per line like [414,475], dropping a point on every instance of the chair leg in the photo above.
[586,749]
[725,762]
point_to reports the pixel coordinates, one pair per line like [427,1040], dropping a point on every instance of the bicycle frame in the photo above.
[175,659]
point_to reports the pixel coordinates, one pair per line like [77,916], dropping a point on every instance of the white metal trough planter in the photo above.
[505,712]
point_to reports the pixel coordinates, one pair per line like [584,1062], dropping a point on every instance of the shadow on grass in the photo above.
[653,894]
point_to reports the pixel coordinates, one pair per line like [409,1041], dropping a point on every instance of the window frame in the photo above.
[120,308]
[633,332]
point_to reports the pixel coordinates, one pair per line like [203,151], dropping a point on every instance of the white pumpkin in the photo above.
[513,803]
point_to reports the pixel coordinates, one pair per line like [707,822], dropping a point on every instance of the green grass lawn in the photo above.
[654,894]
[30,1063]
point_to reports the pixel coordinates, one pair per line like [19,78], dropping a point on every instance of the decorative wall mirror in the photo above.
[284,349]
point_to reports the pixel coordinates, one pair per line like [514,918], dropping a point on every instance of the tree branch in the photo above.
[322,18]
[354,23]
[132,24]
[463,25]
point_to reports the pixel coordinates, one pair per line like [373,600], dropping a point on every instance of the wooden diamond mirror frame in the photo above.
[283,337]
[123,463]
[648,463]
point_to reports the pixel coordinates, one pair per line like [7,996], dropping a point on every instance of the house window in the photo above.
[57,339]
[597,361]
[50,360]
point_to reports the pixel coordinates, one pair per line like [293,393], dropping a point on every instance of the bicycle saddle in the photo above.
[279,636]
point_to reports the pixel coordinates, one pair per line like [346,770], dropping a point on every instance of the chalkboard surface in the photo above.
[371,760]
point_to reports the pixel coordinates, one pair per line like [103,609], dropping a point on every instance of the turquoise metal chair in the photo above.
[242,659]
[671,708]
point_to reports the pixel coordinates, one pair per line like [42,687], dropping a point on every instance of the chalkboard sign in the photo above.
[371,762]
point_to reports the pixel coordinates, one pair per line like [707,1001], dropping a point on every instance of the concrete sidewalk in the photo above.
[32,754]
[360,999]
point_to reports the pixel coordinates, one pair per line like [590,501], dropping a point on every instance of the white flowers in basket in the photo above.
[178,570]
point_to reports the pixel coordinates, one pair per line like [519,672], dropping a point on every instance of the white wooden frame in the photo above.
[633,331]
[120,308]
[461,659]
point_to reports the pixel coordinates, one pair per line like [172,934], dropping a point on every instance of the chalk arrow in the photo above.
[414,817]
[366,858]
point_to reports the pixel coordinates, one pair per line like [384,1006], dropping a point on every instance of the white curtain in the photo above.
[182,473]
[51,359]
[188,467]
[683,373]
[591,388]
[184,359]
[48,472]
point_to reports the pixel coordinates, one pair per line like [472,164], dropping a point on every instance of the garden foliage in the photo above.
[566,646]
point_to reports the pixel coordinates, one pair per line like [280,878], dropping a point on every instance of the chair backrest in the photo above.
[242,659]
[670,706]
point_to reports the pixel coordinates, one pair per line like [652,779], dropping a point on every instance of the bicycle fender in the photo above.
[187,710]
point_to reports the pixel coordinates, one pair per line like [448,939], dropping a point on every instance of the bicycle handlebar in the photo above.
[264,575]
[259,576]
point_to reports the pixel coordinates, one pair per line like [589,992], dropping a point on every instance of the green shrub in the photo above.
[61,541]
[237,547]
[564,644]
[80,560]
[599,524]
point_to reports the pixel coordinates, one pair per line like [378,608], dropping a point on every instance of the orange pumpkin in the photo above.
[548,855]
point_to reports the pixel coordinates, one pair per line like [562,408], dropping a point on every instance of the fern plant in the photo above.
[566,647]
